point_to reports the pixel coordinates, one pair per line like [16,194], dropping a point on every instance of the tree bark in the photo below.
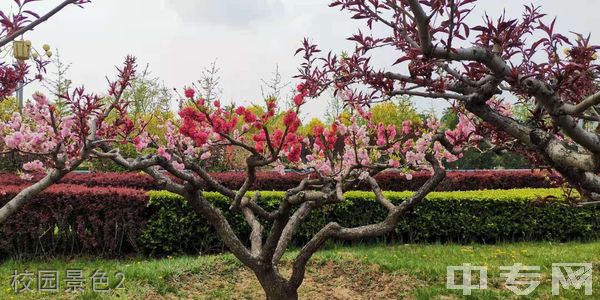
[31,191]
[275,287]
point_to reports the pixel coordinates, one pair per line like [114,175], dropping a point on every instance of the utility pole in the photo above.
[20,96]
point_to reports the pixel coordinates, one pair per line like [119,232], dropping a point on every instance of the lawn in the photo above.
[357,272]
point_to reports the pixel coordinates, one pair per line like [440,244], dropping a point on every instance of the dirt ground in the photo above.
[347,279]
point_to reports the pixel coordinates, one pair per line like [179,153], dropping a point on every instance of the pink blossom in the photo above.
[450,157]
[343,129]
[141,142]
[433,124]
[40,99]
[205,155]
[15,122]
[298,99]
[391,132]
[421,145]
[34,166]
[67,126]
[178,166]
[406,127]
[381,138]
[14,140]
[162,152]
[279,168]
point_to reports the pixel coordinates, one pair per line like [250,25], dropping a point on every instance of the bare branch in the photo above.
[429,95]
[583,105]
[379,194]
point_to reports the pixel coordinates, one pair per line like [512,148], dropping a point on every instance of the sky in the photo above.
[247,38]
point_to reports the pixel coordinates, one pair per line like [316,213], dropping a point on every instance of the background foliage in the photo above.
[74,220]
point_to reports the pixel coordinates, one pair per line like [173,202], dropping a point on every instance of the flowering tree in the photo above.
[481,68]
[41,130]
[340,158]
[62,141]
[13,26]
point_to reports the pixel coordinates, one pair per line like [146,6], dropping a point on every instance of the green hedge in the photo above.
[463,217]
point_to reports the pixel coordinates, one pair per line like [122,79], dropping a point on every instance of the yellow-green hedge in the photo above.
[465,217]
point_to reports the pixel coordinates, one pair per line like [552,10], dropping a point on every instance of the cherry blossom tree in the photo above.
[40,130]
[481,68]
[61,141]
[340,158]
[13,26]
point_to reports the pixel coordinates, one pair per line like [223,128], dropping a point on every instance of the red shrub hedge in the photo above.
[391,181]
[128,180]
[74,219]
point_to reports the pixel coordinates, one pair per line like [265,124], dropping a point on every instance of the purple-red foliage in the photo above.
[74,219]
[390,181]
[126,180]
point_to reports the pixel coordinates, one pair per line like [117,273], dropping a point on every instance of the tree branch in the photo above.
[255,225]
[335,230]
[582,106]
[27,193]
[35,23]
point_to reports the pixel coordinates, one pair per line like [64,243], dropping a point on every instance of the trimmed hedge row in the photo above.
[130,180]
[462,217]
[270,181]
[73,220]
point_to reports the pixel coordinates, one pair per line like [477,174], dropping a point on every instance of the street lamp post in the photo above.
[21,52]
[20,96]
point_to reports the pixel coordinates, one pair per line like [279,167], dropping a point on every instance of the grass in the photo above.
[406,271]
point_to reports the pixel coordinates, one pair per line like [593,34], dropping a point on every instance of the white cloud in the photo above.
[234,13]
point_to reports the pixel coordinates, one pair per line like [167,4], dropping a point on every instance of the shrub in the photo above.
[270,181]
[125,180]
[72,219]
[463,217]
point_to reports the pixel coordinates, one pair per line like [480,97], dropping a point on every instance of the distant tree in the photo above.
[395,112]
[272,88]
[209,84]
[59,83]
[308,128]
[7,108]
[149,102]
[335,106]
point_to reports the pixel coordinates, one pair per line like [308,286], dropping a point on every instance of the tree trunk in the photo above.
[275,287]
[29,192]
